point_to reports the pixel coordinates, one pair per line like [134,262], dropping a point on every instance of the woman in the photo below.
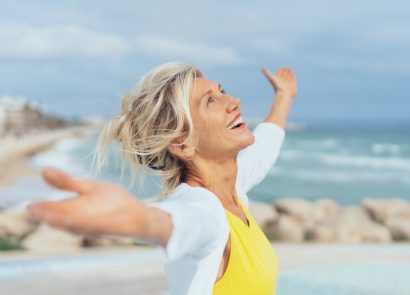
[189,130]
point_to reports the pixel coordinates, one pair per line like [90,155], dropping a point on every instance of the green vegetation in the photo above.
[308,236]
[272,236]
[9,245]
[400,238]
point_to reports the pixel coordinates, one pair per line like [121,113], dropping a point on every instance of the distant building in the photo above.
[18,115]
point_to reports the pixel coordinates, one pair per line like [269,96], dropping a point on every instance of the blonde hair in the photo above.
[154,114]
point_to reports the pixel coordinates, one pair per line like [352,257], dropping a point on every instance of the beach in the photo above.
[304,268]
[16,151]
[20,168]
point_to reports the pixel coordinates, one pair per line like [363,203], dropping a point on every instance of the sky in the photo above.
[77,58]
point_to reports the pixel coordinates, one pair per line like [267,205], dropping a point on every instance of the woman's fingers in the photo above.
[42,211]
[269,76]
[61,214]
[63,181]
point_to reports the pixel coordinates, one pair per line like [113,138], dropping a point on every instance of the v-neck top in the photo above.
[253,265]
[201,228]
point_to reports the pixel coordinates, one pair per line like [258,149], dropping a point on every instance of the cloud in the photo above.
[20,40]
[164,47]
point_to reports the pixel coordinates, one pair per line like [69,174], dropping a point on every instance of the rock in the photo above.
[382,209]
[354,215]
[399,228]
[47,238]
[287,229]
[111,241]
[299,209]
[308,213]
[354,225]
[329,208]
[375,233]
[347,233]
[264,214]
[15,224]
[324,233]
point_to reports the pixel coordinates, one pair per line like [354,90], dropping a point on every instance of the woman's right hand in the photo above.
[98,208]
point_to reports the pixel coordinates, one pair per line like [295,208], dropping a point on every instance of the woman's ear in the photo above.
[181,150]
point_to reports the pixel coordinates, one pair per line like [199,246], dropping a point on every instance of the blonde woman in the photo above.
[178,124]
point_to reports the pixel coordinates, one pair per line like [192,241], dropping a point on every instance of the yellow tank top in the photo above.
[253,265]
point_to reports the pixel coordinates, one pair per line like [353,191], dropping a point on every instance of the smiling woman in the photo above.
[178,124]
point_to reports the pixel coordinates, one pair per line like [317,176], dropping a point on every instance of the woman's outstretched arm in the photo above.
[285,87]
[101,208]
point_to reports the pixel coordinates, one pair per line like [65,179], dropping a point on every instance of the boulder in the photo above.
[354,225]
[299,209]
[382,209]
[329,209]
[108,241]
[15,224]
[287,229]
[264,214]
[47,238]
[324,233]
[399,228]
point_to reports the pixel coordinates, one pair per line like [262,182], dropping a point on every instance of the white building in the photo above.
[16,113]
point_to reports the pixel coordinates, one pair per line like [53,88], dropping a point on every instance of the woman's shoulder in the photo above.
[189,196]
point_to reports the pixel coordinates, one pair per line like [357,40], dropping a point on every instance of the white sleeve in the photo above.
[255,161]
[196,227]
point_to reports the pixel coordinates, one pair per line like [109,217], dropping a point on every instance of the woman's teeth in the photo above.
[237,121]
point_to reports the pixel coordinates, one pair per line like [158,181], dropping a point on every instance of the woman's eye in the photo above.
[209,99]
[223,90]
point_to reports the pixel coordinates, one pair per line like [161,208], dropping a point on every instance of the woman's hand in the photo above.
[283,82]
[98,208]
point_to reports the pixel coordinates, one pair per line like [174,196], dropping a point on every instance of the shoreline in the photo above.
[139,270]
[16,152]
[22,160]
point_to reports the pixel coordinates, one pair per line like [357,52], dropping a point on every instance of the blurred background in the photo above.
[65,67]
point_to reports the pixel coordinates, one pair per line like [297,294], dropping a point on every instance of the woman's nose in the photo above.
[233,103]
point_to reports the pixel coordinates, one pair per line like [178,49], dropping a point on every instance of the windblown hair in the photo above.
[152,115]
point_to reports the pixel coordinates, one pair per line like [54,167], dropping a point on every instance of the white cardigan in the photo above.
[200,228]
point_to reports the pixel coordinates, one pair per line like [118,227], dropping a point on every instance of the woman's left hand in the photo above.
[283,82]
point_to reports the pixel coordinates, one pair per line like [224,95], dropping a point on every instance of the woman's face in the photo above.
[212,112]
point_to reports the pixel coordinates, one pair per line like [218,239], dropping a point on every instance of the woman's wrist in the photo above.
[283,95]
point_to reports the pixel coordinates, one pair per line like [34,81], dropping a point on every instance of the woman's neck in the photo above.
[219,178]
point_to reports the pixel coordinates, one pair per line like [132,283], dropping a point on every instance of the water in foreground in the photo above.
[306,269]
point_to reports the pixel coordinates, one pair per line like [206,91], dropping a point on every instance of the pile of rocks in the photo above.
[16,227]
[299,220]
[288,220]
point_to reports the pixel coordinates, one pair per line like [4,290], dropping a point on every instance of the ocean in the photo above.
[346,162]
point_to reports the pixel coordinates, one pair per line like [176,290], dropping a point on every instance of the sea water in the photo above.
[346,163]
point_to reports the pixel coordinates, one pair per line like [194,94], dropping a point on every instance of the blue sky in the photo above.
[352,58]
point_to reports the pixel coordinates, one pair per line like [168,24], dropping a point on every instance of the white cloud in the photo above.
[20,40]
[163,47]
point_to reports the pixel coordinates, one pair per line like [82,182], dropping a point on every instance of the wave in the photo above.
[366,162]
[321,175]
[384,148]
[329,143]
[345,160]
[59,156]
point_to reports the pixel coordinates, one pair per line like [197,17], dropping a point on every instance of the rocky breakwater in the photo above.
[287,220]
[299,220]
[19,232]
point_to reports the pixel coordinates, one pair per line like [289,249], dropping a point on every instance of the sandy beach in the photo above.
[14,152]
[138,270]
